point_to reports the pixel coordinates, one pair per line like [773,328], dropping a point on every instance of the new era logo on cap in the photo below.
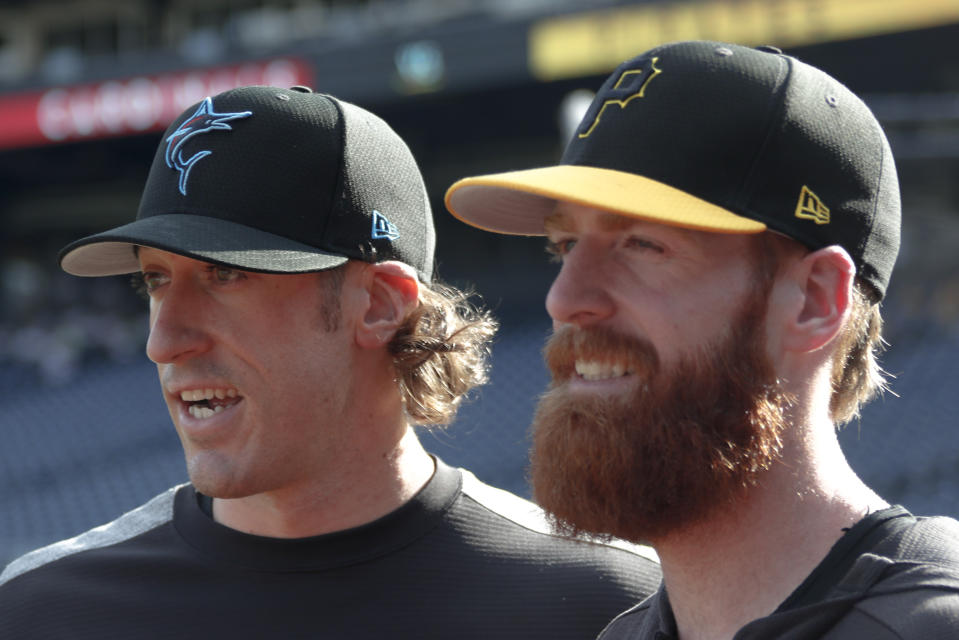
[810,207]
[383,228]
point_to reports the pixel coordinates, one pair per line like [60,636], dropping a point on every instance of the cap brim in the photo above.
[517,202]
[200,237]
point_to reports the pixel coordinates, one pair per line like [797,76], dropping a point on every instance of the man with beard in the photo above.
[727,220]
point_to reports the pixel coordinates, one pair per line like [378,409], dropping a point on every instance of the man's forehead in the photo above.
[141,250]
[569,218]
[144,252]
[564,218]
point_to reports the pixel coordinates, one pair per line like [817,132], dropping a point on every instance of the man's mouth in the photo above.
[205,403]
[601,370]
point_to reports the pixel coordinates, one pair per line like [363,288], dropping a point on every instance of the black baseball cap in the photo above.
[721,138]
[276,181]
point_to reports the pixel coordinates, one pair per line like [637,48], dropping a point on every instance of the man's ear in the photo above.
[393,292]
[820,298]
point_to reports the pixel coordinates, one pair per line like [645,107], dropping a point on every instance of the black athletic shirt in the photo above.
[460,560]
[892,576]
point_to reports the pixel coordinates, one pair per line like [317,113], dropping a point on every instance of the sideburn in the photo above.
[331,287]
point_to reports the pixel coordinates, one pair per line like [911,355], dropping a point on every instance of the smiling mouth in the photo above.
[597,370]
[205,403]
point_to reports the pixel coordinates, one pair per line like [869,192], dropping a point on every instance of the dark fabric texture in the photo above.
[893,576]
[449,563]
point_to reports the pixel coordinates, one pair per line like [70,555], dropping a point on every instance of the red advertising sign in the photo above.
[129,106]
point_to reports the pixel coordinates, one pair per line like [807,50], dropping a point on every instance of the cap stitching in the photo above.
[337,195]
[877,186]
[774,123]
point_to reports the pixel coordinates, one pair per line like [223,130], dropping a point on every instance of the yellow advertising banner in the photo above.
[594,42]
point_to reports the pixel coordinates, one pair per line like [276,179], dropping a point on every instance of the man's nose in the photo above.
[579,295]
[178,326]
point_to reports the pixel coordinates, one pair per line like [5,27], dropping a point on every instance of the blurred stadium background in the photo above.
[474,86]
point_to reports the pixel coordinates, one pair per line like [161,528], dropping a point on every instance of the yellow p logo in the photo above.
[624,91]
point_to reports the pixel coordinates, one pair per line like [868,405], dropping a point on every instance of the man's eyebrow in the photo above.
[616,222]
[557,221]
[561,221]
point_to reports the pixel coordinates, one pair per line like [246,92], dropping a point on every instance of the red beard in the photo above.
[681,445]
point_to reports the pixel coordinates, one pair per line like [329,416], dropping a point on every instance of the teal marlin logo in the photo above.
[203,120]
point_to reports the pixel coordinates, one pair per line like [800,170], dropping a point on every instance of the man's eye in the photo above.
[226,274]
[634,242]
[152,280]
[559,248]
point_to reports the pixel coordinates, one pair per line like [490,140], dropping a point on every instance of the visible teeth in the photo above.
[592,370]
[201,412]
[587,369]
[196,395]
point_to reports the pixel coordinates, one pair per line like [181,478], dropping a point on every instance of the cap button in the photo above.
[768,48]
[301,89]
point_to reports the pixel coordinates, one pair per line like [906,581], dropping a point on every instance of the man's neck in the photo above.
[354,494]
[765,545]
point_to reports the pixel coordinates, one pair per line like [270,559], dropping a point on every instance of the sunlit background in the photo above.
[474,86]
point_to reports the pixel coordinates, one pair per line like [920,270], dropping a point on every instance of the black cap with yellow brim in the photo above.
[517,202]
[722,138]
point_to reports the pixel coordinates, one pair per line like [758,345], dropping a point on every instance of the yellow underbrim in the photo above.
[516,202]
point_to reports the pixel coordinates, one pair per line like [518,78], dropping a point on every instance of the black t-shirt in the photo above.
[858,539]
[461,559]
[889,577]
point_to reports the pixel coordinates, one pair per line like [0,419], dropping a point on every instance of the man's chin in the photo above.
[213,475]
[595,491]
